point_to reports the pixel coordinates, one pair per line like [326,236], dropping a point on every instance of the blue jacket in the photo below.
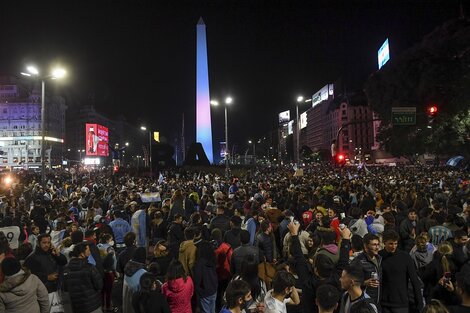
[120,228]
[251,228]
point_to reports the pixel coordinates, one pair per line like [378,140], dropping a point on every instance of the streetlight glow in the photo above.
[228,100]
[249,141]
[58,73]
[300,99]
[32,70]
[214,102]
[127,144]
[143,128]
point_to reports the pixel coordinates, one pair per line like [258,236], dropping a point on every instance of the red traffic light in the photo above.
[340,157]
[432,110]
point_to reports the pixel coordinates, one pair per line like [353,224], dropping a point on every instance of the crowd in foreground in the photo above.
[348,240]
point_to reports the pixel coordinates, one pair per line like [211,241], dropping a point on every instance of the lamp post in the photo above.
[150,146]
[254,149]
[228,101]
[56,74]
[297,130]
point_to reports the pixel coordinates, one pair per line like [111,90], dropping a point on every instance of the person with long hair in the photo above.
[249,273]
[441,265]
[205,277]
[178,289]
[149,298]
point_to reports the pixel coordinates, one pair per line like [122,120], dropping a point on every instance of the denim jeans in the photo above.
[207,304]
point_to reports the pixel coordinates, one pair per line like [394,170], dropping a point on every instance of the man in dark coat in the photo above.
[83,281]
[45,262]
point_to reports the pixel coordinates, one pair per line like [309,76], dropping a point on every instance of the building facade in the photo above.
[20,126]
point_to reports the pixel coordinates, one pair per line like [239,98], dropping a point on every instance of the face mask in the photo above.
[247,305]
[111,243]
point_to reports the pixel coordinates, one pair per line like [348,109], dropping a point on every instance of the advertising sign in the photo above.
[404,116]
[303,120]
[284,117]
[222,149]
[96,140]
[321,95]
[384,54]
[290,127]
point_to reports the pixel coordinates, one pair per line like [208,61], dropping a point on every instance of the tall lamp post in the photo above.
[57,73]
[254,149]
[297,129]
[150,146]
[228,101]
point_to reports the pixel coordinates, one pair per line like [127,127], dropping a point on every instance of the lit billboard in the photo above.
[290,127]
[322,94]
[96,140]
[284,117]
[384,54]
[303,120]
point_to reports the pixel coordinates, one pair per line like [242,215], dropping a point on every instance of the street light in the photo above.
[300,99]
[56,74]
[143,128]
[228,101]
[254,148]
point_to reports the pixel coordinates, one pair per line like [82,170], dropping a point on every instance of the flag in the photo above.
[160,179]
[349,176]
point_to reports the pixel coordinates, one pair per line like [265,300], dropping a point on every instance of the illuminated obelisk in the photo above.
[203,109]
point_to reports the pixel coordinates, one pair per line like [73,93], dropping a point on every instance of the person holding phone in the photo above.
[45,262]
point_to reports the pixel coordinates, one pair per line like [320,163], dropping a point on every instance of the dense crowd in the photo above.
[348,240]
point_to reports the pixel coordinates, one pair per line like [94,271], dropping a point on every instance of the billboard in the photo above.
[96,140]
[222,149]
[290,127]
[303,120]
[384,54]
[284,117]
[322,94]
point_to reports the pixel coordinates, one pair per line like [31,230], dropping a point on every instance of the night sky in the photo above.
[138,57]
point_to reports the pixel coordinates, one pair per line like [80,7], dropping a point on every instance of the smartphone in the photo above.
[291,218]
[447,277]
[342,215]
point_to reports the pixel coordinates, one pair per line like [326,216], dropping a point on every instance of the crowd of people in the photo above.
[273,240]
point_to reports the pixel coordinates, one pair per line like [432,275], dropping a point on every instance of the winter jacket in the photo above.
[178,293]
[42,264]
[187,256]
[331,251]
[232,237]
[267,247]
[223,255]
[124,257]
[132,273]
[369,266]
[422,258]
[205,278]
[23,292]
[348,306]
[239,254]
[84,283]
[406,227]
[175,237]
[156,303]
[397,270]
[221,222]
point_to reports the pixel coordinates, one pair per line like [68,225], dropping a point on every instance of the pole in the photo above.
[254,151]
[150,151]
[226,144]
[297,135]
[43,129]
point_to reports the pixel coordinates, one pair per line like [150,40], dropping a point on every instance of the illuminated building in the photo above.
[20,126]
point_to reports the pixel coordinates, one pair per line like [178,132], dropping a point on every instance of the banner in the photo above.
[13,234]
[96,140]
[148,197]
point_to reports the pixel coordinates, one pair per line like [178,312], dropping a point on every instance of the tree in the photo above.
[434,71]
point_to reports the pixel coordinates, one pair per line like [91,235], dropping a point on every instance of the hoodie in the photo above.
[23,292]
[178,293]
[331,251]
[187,256]
[132,273]
[205,278]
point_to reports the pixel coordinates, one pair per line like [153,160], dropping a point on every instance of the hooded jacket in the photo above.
[23,292]
[84,283]
[187,256]
[178,293]
[331,251]
[368,266]
[132,273]
[205,278]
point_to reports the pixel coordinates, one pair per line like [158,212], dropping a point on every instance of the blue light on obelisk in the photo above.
[203,108]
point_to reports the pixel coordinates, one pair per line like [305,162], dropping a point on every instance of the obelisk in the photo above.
[203,109]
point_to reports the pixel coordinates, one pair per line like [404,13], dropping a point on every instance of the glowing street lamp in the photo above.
[228,101]
[57,73]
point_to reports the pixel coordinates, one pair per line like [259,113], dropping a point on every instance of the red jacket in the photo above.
[223,255]
[178,293]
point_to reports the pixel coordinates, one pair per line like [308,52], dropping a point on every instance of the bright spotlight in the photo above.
[32,70]
[58,73]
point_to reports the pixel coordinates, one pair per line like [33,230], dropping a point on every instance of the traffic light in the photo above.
[432,113]
[115,169]
[340,159]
